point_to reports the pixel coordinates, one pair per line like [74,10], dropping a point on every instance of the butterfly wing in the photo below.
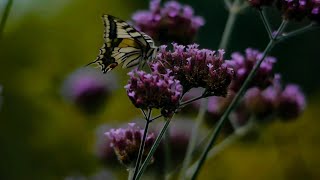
[123,45]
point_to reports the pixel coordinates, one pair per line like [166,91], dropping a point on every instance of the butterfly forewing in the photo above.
[123,44]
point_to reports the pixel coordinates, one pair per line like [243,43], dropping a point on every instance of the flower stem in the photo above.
[130,173]
[297,32]
[5,16]
[193,140]
[233,12]
[235,101]
[190,101]
[266,23]
[153,149]
[167,151]
[141,149]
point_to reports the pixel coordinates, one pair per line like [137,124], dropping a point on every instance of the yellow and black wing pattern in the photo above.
[124,45]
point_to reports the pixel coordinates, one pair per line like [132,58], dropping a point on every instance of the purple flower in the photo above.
[88,88]
[259,3]
[243,64]
[126,143]
[195,68]
[291,102]
[294,9]
[172,23]
[154,90]
[261,103]
[103,151]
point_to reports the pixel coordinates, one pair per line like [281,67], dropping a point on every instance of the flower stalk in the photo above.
[233,9]
[234,102]
[153,148]
[141,149]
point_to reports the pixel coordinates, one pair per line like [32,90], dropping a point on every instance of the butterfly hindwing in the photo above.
[123,45]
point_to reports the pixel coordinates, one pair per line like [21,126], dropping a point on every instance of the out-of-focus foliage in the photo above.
[43,137]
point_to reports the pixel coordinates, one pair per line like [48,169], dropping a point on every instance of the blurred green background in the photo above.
[43,137]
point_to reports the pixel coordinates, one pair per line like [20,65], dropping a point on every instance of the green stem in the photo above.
[153,149]
[142,144]
[5,16]
[266,23]
[233,12]
[167,162]
[189,101]
[234,102]
[193,141]
[297,32]
[130,173]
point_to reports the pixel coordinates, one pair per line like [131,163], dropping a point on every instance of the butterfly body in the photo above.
[124,45]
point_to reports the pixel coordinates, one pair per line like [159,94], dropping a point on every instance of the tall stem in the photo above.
[266,23]
[193,140]
[141,149]
[234,102]
[234,9]
[233,12]
[153,149]
[5,16]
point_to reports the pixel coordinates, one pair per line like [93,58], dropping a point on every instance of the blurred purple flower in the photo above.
[88,88]
[126,142]
[154,90]
[178,142]
[291,102]
[243,64]
[259,3]
[172,23]
[195,68]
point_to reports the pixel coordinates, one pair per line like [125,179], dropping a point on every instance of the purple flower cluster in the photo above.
[178,143]
[88,89]
[265,99]
[173,22]
[293,9]
[243,64]
[126,143]
[195,68]
[291,102]
[154,90]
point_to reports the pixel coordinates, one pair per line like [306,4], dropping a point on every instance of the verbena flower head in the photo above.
[88,88]
[260,3]
[154,90]
[195,68]
[274,101]
[261,103]
[173,22]
[103,151]
[243,64]
[126,143]
[291,102]
[294,9]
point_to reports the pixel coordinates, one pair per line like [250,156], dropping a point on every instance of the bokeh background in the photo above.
[44,137]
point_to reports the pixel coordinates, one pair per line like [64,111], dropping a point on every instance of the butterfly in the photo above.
[123,44]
